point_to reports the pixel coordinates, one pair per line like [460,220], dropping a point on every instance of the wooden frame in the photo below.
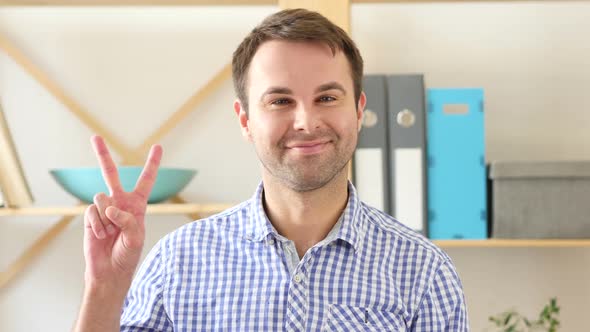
[340,16]
[186,208]
[130,156]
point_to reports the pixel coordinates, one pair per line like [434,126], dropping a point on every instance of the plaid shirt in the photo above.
[234,272]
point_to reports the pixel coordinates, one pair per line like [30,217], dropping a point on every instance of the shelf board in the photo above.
[514,243]
[208,209]
[205,209]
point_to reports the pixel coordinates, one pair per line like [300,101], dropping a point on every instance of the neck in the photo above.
[305,217]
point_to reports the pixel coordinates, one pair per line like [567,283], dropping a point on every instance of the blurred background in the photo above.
[132,67]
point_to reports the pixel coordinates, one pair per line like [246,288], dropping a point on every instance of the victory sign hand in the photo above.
[114,226]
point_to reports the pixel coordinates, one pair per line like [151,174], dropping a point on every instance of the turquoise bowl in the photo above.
[85,182]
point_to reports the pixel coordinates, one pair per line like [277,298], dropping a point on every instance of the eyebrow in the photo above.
[330,86]
[277,90]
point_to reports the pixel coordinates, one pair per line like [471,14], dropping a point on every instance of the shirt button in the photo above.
[271,242]
[298,277]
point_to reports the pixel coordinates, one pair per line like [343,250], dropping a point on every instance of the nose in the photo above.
[307,118]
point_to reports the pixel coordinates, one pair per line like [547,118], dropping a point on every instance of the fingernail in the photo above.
[101,234]
[115,212]
[111,229]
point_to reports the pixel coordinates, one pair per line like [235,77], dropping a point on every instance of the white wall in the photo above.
[132,67]
[533,61]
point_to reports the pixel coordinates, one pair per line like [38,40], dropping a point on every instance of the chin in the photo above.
[302,187]
[310,183]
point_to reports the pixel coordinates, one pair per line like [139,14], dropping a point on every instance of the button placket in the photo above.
[298,277]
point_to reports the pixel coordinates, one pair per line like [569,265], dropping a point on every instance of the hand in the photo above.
[114,226]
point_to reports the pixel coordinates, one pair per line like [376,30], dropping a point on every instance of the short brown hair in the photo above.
[295,25]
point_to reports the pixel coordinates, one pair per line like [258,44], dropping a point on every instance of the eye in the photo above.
[280,102]
[326,99]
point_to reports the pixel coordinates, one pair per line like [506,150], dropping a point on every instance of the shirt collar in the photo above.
[350,230]
[260,225]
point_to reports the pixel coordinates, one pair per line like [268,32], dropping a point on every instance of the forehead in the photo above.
[300,66]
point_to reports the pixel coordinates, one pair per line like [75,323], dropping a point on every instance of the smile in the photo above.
[309,147]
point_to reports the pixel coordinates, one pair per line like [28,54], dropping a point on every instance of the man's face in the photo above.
[302,116]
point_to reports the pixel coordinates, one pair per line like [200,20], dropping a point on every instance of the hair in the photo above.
[295,25]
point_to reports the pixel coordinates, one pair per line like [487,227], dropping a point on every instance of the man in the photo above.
[304,253]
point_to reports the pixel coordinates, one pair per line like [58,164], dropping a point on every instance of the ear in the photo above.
[360,110]
[243,119]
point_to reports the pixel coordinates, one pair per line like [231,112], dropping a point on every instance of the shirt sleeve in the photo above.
[443,307]
[144,309]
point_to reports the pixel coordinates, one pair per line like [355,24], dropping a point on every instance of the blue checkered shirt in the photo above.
[234,272]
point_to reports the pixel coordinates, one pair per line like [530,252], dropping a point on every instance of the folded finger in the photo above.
[102,202]
[132,232]
[92,222]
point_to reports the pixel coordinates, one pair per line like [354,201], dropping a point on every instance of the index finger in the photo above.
[146,180]
[107,165]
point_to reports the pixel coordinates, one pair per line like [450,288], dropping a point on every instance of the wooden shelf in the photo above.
[208,209]
[67,214]
[204,209]
[514,243]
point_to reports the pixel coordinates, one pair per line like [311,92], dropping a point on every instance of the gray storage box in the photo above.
[541,199]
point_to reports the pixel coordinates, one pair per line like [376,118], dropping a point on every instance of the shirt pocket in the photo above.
[348,318]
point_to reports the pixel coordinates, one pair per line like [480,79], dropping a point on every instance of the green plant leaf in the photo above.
[527,322]
[507,319]
[512,321]
[511,328]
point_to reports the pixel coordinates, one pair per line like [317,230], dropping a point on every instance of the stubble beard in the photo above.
[307,173]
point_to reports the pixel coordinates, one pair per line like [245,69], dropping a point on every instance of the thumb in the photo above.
[131,232]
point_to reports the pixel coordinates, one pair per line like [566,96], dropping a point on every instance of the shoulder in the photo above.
[401,237]
[411,257]
[225,225]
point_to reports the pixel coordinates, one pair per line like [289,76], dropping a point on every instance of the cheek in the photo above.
[269,129]
[346,125]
